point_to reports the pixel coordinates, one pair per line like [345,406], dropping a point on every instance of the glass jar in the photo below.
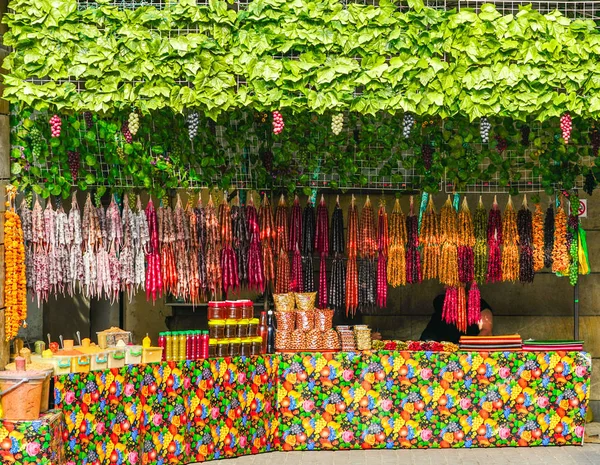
[257,343]
[246,347]
[253,327]
[232,310]
[169,346]
[216,329]
[235,346]
[247,309]
[242,328]
[223,347]
[212,348]
[217,310]
[231,328]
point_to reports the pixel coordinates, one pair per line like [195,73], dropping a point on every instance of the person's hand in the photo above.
[376,336]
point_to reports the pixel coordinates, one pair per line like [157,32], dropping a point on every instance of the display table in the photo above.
[196,411]
[39,441]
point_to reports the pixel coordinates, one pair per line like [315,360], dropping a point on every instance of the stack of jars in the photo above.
[233,330]
[183,345]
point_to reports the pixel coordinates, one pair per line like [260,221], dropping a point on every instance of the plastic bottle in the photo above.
[162,342]
[174,346]
[182,345]
[263,331]
[204,340]
[189,345]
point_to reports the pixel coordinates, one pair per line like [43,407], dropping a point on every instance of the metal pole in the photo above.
[576,312]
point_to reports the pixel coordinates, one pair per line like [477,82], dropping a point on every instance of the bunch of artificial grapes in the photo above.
[484,129]
[502,145]
[89,121]
[55,124]
[427,154]
[74,164]
[134,122]
[525,132]
[566,127]
[337,123]
[192,122]
[278,123]
[126,132]
[407,124]
[595,140]
[36,142]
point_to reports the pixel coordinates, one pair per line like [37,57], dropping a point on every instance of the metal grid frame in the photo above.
[571,9]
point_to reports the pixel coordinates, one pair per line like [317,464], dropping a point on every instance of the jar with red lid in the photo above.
[234,311]
[217,310]
[247,309]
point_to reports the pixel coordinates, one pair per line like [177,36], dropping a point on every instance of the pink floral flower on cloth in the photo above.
[504,433]
[32,448]
[347,436]
[157,419]
[543,401]
[308,405]
[504,372]
[70,462]
[243,441]
[465,403]
[579,431]
[348,375]
[100,427]
[267,406]
[186,383]
[69,397]
[426,434]
[386,405]
[129,389]
[580,371]
[133,457]
[241,378]
[214,413]
[426,373]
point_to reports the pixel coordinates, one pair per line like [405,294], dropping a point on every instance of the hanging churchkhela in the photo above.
[352,271]
[241,241]
[200,213]
[397,250]
[213,250]
[466,242]
[308,240]
[449,236]
[281,226]
[538,238]
[166,235]
[154,283]
[295,242]
[382,245]
[430,241]
[481,242]
[413,258]
[549,237]
[494,236]
[229,265]
[525,229]
[268,234]
[322,248]
[510,239]
[192,250]
[182,263]
[473,305]
[337,286]
[256,277]
[367,271]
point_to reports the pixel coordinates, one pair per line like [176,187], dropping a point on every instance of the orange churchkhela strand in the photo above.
[510,249]
[430,240]
[448,271]
[538,238]
[397,249]
[15,284]
[561,258]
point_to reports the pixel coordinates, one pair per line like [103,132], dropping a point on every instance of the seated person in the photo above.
[439,330]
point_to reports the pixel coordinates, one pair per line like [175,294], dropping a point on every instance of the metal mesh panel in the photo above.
[570,9]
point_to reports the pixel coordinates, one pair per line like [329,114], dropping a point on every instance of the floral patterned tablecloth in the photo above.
[182,412]
[426,399]
[33,442]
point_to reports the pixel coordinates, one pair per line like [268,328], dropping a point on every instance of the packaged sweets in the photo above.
[305,320]
[298,340]
[306,301]
[286,321]
[331,340]
[284,302]
[283,340]
[323,319]
[314,340]
[362,334]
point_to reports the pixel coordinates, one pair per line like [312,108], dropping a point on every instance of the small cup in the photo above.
[68,344]
[85,342]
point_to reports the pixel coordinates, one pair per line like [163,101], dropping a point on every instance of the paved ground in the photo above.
[571,455]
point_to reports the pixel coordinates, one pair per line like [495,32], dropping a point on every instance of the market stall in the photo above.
[176,152]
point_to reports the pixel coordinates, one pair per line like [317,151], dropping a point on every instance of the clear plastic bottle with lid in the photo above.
[174,346]
[231,327]
[168,346]
[212,348]
[182,345]
[242,328]
[234,349]
[253,325]
[216,329]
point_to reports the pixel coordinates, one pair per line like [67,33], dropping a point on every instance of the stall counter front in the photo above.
[181,412]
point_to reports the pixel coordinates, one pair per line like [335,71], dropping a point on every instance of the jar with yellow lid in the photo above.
[257,343]
[231,328]
[234,349]
[212,348]
[223,347]
[246,347]
[253,327]
[242,328]
[216,329]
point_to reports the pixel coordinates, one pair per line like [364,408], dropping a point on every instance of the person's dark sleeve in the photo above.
[432,330]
